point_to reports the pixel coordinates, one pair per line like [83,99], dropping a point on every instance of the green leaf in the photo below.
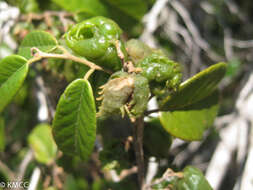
[91,7]
[42,143]
[196,88]
[133,8]
[28,6]
[191,122]
[2,135]
[193,180]
[74,125]
[234,67]
[13,70]
[40,39]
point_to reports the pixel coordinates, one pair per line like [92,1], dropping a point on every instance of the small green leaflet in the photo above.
[195,88]
[74,125]
[44,41]
[13,71]
[190,122]
[193,179]
[42,143]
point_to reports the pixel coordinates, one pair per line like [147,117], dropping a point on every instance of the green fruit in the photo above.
[124,89]
[159,68]
[163,74]
[115,94]
[95,40]
[137,50]
[140,97]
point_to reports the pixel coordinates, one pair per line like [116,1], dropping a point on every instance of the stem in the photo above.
[24,164]
[151,111]
[87,75]
[66,55]
[138,146]
[35,179]
[7,171]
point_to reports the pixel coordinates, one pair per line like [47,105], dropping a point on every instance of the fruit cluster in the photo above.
[99,40]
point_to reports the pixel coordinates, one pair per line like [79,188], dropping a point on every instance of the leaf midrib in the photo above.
[78,120]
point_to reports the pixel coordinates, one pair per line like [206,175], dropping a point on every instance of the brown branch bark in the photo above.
[138,146]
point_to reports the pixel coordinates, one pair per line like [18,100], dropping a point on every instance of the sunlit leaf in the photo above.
[196,88]
[191,122]
[74,125]
[39,39]
[193,180]
[13,71]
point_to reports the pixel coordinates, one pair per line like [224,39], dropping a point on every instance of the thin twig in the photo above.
[138,145]
[151,111]
[242,44]
[167,174]
[35,179]
[7,171]
[152,170]
[194,30]
[87,75]
[42,89]
[127,172]
[66,55]
[228,44]
[247,174]
[25,162]
[151,23]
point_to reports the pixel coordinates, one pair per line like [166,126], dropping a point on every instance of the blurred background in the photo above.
[196,33]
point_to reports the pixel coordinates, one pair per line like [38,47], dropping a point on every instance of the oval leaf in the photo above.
[196,88]
[42,143]
[40,39]
[13,70]
[74,125]
[191,122]
[193,179]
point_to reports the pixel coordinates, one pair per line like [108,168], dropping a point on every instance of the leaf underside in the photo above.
[190,122]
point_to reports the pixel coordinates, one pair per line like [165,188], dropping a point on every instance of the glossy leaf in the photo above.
[13,70]
[74,125]
[196,88]
[39,39]
[191,122]
[193,180]
[91,7]
[42,143]
[2,135]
